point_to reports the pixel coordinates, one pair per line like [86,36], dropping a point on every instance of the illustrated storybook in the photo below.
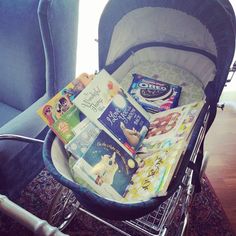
[114,111]
[155,170]
[162,150]
[60,114]
[154,95]
[100,162]
[177,122]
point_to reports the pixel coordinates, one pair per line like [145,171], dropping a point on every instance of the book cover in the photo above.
[104,165]
[59,113]
[155,171]
[113,110]
[86,133]
[154,95]
[177,122]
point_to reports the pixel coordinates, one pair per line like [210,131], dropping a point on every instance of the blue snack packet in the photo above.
[154,95]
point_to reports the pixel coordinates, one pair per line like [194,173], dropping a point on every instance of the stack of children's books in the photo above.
[130,143]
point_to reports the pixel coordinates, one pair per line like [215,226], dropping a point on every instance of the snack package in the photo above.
[154,95]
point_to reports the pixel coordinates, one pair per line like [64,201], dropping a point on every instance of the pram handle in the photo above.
[30,221]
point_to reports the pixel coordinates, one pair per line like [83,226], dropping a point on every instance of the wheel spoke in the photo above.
[63,208]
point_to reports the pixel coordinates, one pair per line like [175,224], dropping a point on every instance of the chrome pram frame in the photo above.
[65,205]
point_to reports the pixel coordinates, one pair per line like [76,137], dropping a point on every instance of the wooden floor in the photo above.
[221,169]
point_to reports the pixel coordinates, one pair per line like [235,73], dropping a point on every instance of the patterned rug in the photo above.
[207,216]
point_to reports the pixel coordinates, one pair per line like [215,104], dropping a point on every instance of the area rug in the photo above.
[207,216]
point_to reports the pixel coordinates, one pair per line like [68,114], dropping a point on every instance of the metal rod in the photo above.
[185,223]
[104,222]
[20,138]
[140,228]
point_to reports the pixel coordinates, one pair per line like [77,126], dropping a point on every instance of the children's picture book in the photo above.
[154,95]
[104,165]
[155,171]
[177,122]
[162,150]
[59,113]
[113,110]
[86,133]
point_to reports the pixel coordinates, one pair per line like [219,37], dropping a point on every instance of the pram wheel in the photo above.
[63,208]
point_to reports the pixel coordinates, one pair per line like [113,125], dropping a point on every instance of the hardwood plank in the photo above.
[220,143]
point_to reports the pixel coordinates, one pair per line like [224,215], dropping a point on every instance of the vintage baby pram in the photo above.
[190,43]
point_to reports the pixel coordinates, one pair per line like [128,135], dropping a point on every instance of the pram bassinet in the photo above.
[193,38]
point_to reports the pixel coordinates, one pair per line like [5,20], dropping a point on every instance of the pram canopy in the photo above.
[206,27]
